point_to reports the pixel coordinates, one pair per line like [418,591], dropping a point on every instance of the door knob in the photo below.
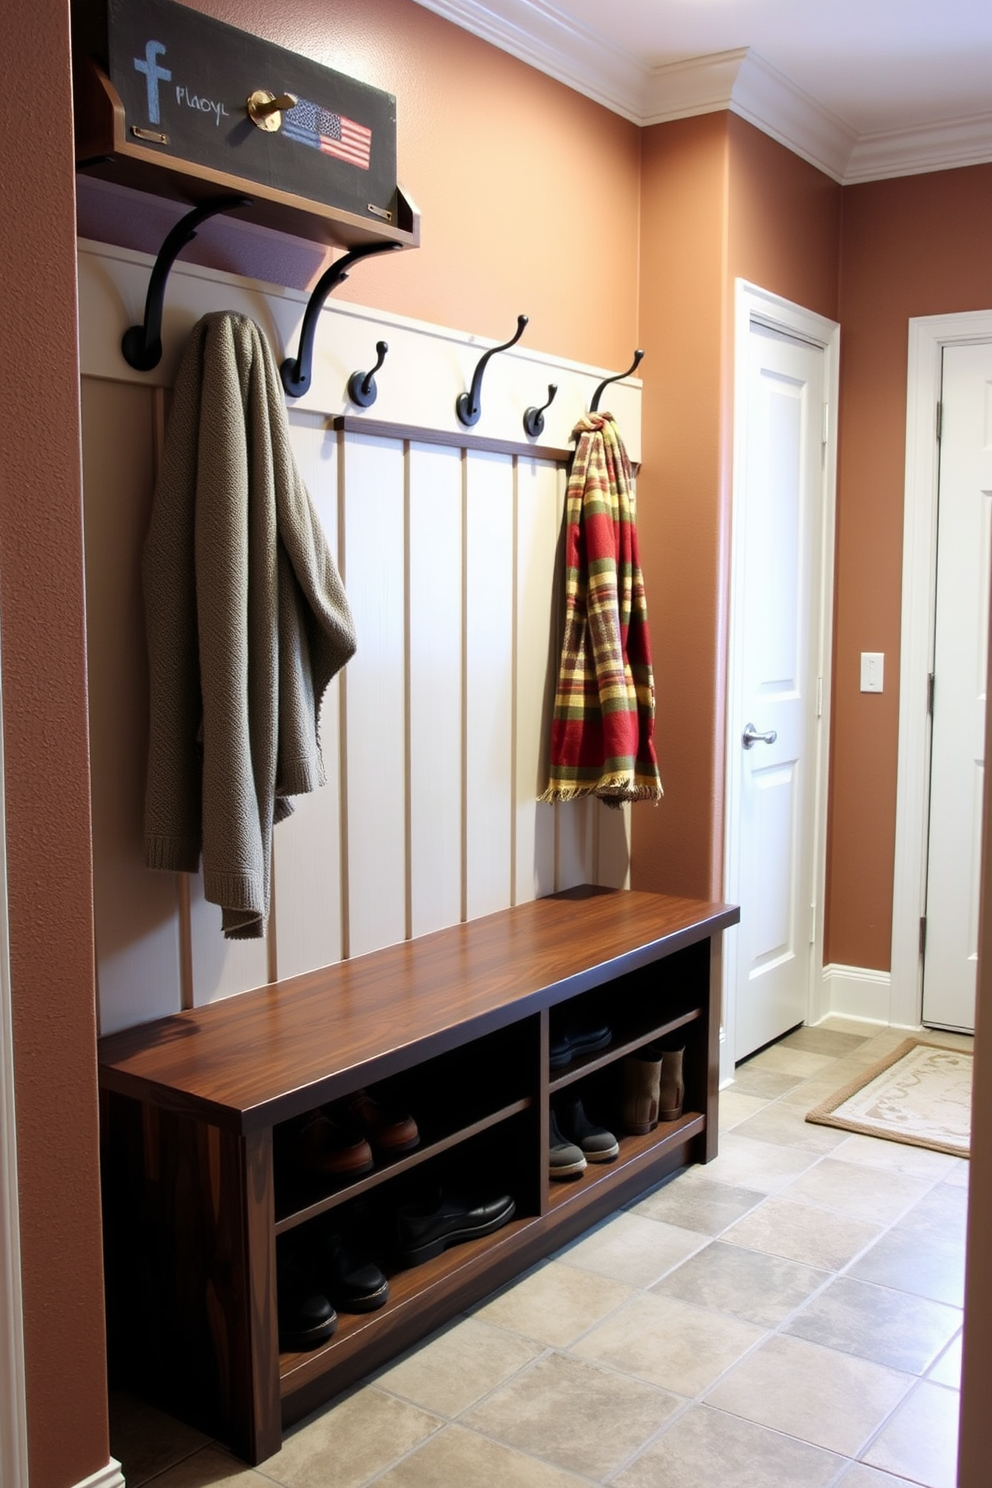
[750,736]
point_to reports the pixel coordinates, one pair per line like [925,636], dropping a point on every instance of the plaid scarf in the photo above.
[601,733]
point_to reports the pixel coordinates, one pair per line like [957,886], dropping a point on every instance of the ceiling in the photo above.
[862,88]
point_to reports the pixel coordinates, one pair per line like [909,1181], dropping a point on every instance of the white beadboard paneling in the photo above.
[435,679]
[489,754]
[135,908]
[540,495]
[576,858]
[373,692]
[307,846]
[221,967]
[612,863]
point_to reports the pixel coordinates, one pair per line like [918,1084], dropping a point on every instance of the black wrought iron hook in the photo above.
[361,385]
[468,405]
[594,405]
[141,345]
[295,372]
[534,417]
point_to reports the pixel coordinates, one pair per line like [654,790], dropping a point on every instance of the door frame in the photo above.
[928,335]
[754,305]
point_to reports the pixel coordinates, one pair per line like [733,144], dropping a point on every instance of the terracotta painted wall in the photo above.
[46,765]
[785,218]
[528,192]
[917,245]
[744,207]
[680,492]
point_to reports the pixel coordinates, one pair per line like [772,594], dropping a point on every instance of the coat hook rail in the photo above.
[141,345]
[534,417]
[468,406]
[594,405]
[361,385]
[296,371]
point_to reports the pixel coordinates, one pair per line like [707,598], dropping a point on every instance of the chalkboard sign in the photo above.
[185,79]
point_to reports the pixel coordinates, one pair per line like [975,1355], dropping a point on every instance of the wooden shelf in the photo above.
[104,150]
[622,1043]
[198,1198]
[300,1209]
[636,1154]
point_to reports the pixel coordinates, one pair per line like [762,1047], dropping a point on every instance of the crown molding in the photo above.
[554,43]
[750,87]
[911,152]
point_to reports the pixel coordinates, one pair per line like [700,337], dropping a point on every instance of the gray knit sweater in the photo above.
[247,622]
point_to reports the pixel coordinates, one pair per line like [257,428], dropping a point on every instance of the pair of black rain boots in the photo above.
[576,1141]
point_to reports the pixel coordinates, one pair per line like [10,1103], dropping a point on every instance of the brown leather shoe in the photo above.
[641,1091]
[322,1145]
[390,1132]
[671,1091]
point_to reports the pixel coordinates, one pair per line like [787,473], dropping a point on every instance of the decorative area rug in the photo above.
[919,1094]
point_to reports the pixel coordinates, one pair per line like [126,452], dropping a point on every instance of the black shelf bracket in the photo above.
[534,417]
[141,345]
[594,405]
[296,372]
[361,385]
[468,406]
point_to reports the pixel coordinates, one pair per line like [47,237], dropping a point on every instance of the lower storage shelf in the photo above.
[422,1298]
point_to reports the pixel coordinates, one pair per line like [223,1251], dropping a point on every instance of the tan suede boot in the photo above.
[672,1089]
[641,1086]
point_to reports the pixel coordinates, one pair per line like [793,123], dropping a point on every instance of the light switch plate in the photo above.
[872,671]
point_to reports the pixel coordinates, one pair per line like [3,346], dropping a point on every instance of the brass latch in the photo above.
[265,109]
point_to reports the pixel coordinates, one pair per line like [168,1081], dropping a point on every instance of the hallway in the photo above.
[787,1317]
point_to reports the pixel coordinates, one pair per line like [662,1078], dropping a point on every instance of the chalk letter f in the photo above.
[153,72]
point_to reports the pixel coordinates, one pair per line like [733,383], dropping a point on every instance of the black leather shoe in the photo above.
[425,1229]
[353,1285]
[306,1317]
[568,1040]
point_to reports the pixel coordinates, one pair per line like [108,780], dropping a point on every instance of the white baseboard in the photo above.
[110,1476]
[857,992]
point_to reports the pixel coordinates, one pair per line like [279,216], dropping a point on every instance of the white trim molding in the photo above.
[740,81]
[928,335]
[754,305]
[750,87]
[559,46]
[110,1476]
[911,152]
[860,993]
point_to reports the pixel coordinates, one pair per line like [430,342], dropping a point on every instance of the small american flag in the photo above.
[331,133]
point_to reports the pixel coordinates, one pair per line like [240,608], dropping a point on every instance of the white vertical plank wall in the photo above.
[435,644]
[136,912]
[489,762]
[434,736]
[374,693]
[306,929]
[540,506]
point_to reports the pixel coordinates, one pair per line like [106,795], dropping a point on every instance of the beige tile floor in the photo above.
[788,1316]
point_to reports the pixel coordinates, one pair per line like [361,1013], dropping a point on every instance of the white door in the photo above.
[774,715]
[961,621]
